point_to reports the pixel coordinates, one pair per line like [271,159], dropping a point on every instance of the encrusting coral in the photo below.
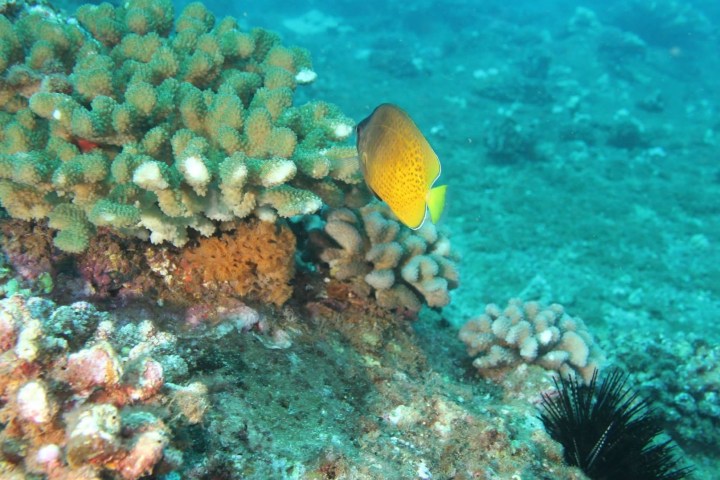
[80,393]
[27,247]
[402,266]
[126,120]
[531,333]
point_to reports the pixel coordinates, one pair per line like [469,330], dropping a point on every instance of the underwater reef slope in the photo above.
[328,395]
[254,313]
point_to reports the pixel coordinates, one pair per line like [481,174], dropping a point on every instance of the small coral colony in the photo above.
[163,159]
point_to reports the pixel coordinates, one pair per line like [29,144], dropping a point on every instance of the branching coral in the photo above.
[79,391]
[129,121]
[403,267]
[532,333]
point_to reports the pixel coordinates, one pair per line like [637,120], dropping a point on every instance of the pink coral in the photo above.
[90,368]
[150,381]
[109,265]
[232,310]
[69,408]
[8,336]
[144,454]
[28,248]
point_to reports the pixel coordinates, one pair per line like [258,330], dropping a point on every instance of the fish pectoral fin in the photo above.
[436,202]
[346,167]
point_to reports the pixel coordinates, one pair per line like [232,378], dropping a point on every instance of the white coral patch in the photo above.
[107,218]
[310,206]
[545,337]
[100,421]
[27,344]
[341,131]
[238,176]
[33,403]
[162,228]
[423,472]
[266,214]
[195,171]
[149,177]
[402,416]
[48,454]
[279,174]
[305,76]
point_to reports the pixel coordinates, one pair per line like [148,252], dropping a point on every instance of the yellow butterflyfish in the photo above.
[400,166]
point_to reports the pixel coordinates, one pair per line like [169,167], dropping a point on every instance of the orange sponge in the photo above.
[257,261]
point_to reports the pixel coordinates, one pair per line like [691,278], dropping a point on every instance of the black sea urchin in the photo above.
[609,431]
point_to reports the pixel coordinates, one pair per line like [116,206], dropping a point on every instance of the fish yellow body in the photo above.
[399,165]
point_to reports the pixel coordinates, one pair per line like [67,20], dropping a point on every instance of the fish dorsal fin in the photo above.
[436,202]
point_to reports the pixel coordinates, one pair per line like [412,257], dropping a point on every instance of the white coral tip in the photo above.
[305,76]
[195,171]
[341,131]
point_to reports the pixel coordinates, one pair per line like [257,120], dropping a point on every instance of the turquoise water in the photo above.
[580,146]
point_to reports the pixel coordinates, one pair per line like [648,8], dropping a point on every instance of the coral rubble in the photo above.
[82,393]
[680,376]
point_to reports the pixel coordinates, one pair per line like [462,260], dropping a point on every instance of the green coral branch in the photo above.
[129,120]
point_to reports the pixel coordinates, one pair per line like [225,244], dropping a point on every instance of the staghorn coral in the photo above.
[402,267]
[256,262]
[126,120]
[532,333]
[80,392]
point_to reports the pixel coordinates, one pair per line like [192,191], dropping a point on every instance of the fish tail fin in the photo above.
[436,202]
